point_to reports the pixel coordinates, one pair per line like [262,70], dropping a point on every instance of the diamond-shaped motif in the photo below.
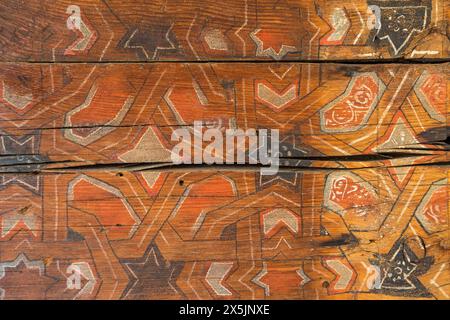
[399,136]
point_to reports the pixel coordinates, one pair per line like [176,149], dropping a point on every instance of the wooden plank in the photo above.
[328,115]
[206,30]
[88,191]
[223,234]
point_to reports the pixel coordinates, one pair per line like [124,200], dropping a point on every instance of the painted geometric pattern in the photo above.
[89,209]
[179,30]
[352,110]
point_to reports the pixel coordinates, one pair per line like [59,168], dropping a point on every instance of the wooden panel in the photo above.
[221,235]
[92,94]
[176,30]
[357,210]
[71,115]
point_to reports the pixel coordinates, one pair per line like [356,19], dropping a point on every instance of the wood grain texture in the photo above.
[206,30]
[223,235]
[72,112]
[93,207]
[358,210]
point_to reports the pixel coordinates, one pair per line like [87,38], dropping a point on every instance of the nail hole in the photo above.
[181,182]
[119,174]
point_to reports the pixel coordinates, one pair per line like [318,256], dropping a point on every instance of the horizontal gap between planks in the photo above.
[312,61]
[169,167]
